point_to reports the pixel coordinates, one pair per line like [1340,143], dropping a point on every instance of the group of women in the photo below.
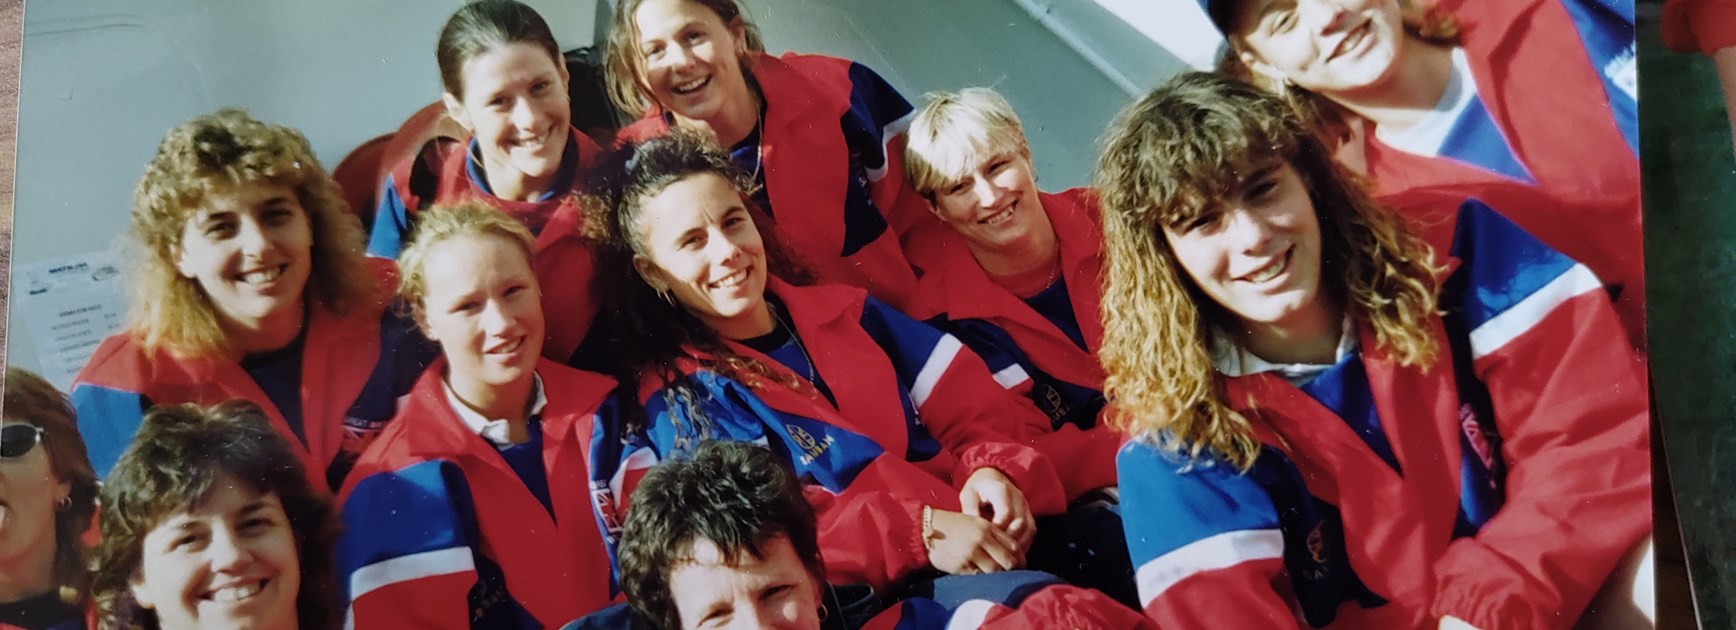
[1346,334]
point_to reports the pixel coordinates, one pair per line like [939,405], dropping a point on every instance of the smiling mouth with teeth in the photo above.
[263,276]
[732,280]
[236,593]
[691,86]
[1271,270]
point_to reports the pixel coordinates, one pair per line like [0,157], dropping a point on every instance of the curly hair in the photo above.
[1171,157]
[174,464]
[624,66]
[209,156]
[31,399]
[736,495]
[442,223]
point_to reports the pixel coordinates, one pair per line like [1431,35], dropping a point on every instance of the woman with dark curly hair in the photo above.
[253,285]
[47,499]
[1356,422]
[209,521]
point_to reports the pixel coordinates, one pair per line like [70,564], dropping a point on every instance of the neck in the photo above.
[1309,336]
[1415,87]
[757,322]
[510,402]
[273,332]
[511,184]
[29,575]
[733,122]
[1025,267]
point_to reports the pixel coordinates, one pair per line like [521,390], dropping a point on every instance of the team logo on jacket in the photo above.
[360,432]
[1479,441]
[812,449]
[604,500]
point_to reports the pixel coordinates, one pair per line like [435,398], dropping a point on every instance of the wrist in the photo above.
[928,527]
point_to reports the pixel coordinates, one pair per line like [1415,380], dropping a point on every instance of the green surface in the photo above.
[1690,218]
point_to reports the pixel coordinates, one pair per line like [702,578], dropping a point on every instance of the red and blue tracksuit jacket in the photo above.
[1555,79]
[564,262]
[440,532]
[916,414]
[1031,354]
[831,148]
[353,370]
[1500,486]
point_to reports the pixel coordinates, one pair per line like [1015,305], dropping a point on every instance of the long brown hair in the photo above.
[1171,157]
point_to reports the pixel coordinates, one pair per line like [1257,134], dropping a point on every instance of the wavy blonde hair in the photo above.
[211,155]
[1169,158]
[624,66]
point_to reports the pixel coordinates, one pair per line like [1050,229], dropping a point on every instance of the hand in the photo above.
[964,544]
[1450,622]
[990,494]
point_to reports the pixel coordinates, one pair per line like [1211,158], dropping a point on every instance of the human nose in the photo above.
[227,551]
[252,237]
[1249,231]
[988,193]
[1326,16]
[496,319]
[524,114]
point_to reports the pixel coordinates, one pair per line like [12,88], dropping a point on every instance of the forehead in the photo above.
[687,202]
[710,575]
[223,197]
[227,497]
[463,262]
[658,19]
[506,64]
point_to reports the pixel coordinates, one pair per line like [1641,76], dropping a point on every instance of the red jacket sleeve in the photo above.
[1063,606]
[979,421]
[869,536]
[1572,409]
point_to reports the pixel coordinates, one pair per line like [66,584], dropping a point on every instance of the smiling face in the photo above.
[29,497]
[1334,47]
[701,246]
[229,562]
[250,249]
[515,102]
[994,204]
[690,59]
[757,593]
[484,308]
[1257,256]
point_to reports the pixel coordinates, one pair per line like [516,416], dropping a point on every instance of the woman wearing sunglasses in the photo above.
[47,498]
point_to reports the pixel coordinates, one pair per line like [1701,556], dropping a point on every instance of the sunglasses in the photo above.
[16,440]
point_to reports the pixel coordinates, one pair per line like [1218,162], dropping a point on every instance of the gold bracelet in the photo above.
[928,527]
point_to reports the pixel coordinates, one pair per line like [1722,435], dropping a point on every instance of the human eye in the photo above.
[1282,21]
[959,188]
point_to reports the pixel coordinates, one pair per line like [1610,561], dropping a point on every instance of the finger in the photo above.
[1001,556]
[969,502]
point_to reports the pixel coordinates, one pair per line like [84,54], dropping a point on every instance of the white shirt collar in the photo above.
[493,430]
[1233,360]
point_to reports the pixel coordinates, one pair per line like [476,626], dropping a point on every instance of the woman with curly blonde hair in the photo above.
[1341,418]
[252,283]
[1529,104]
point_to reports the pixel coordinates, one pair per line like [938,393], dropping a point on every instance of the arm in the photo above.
[1200,538]
[406,556]
[1572,409]
[875,127]
[962,405]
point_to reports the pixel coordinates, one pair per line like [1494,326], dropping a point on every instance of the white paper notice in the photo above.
[70,304]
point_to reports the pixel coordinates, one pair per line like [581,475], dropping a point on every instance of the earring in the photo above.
[823,612]
[65,503]
[666,295]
